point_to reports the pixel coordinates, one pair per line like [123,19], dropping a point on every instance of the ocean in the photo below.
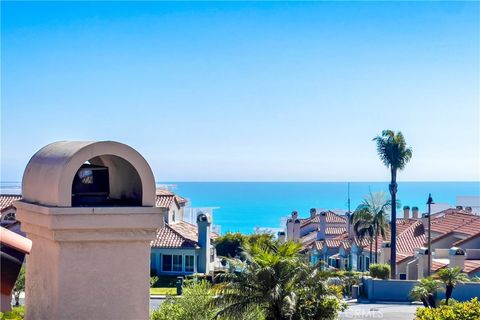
[242,206]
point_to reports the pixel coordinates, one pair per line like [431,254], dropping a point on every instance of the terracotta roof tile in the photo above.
[471,266]
[456,220]
[335,230]
[178,234]
[6,200]
[332,217]
[165,198]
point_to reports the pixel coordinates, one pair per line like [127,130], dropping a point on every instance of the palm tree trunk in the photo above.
[370,261]
[393,236]
[448,293]
[376,245]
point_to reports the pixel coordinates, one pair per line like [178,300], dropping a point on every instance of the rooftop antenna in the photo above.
[348,197]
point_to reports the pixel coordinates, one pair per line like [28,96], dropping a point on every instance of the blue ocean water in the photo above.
[245,205]
[242,206]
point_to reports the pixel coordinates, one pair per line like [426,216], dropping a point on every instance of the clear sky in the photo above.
[246,91]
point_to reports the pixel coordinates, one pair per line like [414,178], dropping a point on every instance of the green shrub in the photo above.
[153,281]
[194,304]
[17,313]
[469,310]
[380,271]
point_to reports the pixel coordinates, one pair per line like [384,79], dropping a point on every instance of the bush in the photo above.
[469,310]
[380,271]
[17,313]
[194,304]
[153,281]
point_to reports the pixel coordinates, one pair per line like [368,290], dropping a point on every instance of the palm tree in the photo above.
[394,153]
[265,279]
[450,278]
[363,226]
[425,291]
[275,280]
[375,206]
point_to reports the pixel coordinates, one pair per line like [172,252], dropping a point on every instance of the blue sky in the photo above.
[246,91]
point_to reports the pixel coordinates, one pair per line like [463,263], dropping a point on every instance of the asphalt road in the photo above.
[359,311]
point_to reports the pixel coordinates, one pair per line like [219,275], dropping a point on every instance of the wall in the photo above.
[399,290]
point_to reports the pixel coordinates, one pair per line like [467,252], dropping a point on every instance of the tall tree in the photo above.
[363,226]
[376,206]
[450,278]
[394,153]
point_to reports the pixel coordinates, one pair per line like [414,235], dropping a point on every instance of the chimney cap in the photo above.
[456,251]
[406,207]
[415,208]
[386,244]
[202,217]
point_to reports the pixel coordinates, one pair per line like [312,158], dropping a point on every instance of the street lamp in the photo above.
[429,202]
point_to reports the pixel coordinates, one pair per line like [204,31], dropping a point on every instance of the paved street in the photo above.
[366,311]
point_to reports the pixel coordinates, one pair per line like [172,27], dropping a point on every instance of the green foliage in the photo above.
[273,278]
[392,149]
[17,313]
[379,271]
[469,310]
[231,244]
[425,291]
[153,281]
[450,278]
[19,286]
[193,304]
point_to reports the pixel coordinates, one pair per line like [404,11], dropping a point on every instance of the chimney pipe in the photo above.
[203,223]
[457,257]
[296,230]
[321,233]
[406,212]
[415,212]
[313,212]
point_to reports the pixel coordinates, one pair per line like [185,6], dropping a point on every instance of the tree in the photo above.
[276,281]
[375,207]
[363,226]
[450,278]
[425,291]
[19,286]
[230,245]
[394,153]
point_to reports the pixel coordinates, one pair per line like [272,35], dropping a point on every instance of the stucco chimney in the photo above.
[204,222]
[296,230]
[422,254]
[459,208]
[290,223]
[457,257]
[406,212]
[321,233]
[468,209]
[385,252]
[281,236]
[313,212]
[415,212]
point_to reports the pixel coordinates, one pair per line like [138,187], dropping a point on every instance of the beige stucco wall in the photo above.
[87,262]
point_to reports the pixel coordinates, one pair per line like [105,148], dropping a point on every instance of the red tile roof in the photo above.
[456,220]
[332,217]
[166,198]
[471,266]
[335,230]
[178,234]
[6,200]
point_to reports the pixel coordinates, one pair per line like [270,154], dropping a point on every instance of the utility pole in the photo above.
[429,202]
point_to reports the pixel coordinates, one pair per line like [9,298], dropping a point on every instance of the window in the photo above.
[367,263]
[166,262]
[189,263]
[177,263]
[360,260]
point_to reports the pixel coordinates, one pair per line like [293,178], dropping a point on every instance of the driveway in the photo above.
[359,311]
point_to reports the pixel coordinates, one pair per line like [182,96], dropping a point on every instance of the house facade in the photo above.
[328,238]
